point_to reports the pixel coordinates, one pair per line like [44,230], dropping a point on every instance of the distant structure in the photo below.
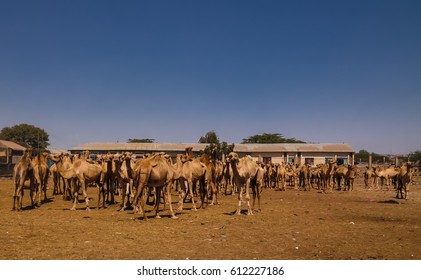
[10,153]
[299,153]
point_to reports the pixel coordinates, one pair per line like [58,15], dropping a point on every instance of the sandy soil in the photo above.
[293,225]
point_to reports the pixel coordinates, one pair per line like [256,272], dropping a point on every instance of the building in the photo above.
[10,153]
[298,153]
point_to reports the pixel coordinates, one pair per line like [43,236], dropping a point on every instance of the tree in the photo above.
[145,140]
[270,138]
[215,149]
[26,135]
[415,156]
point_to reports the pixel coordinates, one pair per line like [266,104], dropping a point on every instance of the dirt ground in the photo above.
[293,225]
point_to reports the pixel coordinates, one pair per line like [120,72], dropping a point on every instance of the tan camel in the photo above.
[350,177]
[64,166]
[193,171]
[219,177]
[247,174]
[326,174]
[125,179]
[64,162]
[228,177]
[291,174]
[340,173]
[22,172]
[56,179]
[369,174]
[404,180]
[154,172]
[210,179]
[281,174]
[304,177]
[85,171]
[41,173]
[315,180]
[385,174]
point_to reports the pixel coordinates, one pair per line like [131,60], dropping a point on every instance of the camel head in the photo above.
[233,157]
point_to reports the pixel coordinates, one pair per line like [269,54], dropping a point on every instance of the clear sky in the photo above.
[319,71]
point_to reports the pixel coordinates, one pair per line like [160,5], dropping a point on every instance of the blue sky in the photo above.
[319,71]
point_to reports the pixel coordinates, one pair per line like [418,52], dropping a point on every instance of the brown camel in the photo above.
[22,172]
[41,173]
[154,172]
[247,174]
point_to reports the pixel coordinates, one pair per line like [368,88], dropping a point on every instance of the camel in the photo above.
[247,174]
[85,171]
[228,178]
[219,176]
[368,175]
[270,175]
[350,177]
[326,174]
[41,173]
[106,176]
[386,174]
[404,179]
[210,178]
[125,179]
[155,172]
[304,177]
[281,177]
[63,165]
[291,174]
[193,171]
[56,180]
[340,173]
[23,171]
[315,176]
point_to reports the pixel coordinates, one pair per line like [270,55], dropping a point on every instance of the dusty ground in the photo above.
[293,225]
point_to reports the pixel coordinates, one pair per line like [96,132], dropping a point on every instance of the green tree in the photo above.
[363,155]
[26,135]
[270,138]
[210,137]
[415,156]
[215,149]
[145,140]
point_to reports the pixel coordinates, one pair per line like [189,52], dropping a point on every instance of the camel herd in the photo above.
[158,176]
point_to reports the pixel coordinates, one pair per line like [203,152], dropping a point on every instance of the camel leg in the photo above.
[85,195]
[75,197]
[191,185]
[240,199]
[157,201]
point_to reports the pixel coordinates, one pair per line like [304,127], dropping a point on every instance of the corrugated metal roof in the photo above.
[107,146]
[242,148]
[292,147]
[11,145]
[57,151]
